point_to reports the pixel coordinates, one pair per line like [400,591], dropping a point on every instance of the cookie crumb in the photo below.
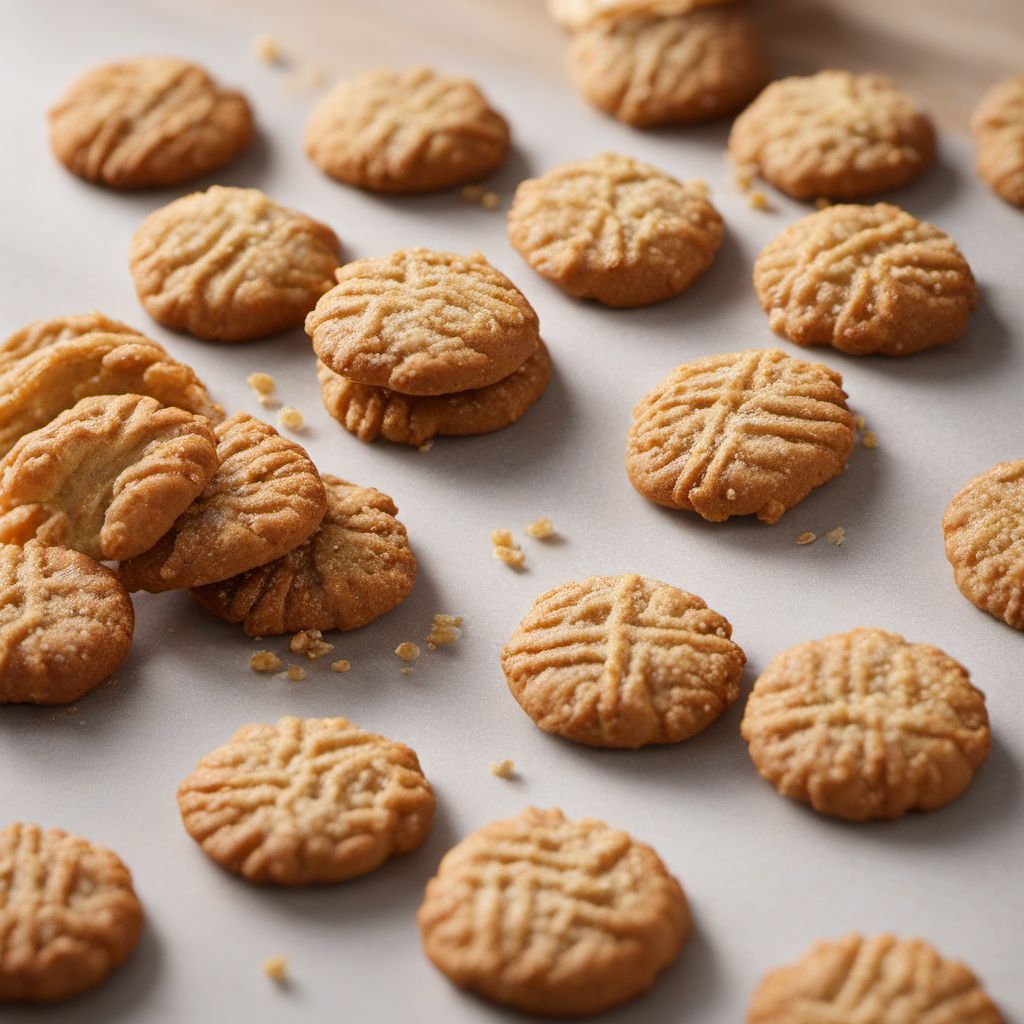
[870,439]
[807,538]
[757,200]
[265,661]
[295,673]
[262,385]
[504,769]
[502,538]
[730,495]
[472,193]
[490,200]
[426,446]
[406,671]
[311,643]
[742,175]
[445,630]
[341,665]
[73,710]
[513,556]
[407,651]
[859,422]
[541,528]
[265,48]
[822,203]
[276,969]
[289,418]
[837,536]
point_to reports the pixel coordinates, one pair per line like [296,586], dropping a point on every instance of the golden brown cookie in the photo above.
[406,131]
[744,433]
[864,725]
[229,264]
[68,914]
[423,323]
[580,14]
[614,229]
[865,280]
[880,980]
[551,916]
[984,533]
[308,800]
[66,624]
[148,122]
[998,128]
[622,661]
[107,477]
[356,567]
[41,333]
[834,134]
[265,499]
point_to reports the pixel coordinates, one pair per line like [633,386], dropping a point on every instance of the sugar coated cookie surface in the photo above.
[998,128]
[40,333]
[578,14]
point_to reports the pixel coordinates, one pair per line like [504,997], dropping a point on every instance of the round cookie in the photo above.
[864,725]
[744,433]
[66,624]
[41,333]
[356,567]
[833,134]
[107,477]
[308,800]
[984,536]
[580,14]
[423,323]
[622,661]
[229,264]
[370,412]
[406,131]
[265,499]
[865,280]
[998,128]
[148,122]
[68,913]
[554,917]
[879,980]
[614,229]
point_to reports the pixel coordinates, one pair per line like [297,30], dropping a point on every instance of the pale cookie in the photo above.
[40,334]
[308,800]
[370,412]
[744,433]
[998,128]
[356,567]
[423,323]
[622,661]
[66,624]
[984,534]
[833,134]
[580,14]
[265,499]
[229,264]
[879,980]
[107,477]
[68,914]
[865,280]
[554,917]
[864,725]
[614,229]
[152,121]
[406,131]
[649,71]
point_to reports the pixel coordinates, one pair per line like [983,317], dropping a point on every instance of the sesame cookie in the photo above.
[265,499]
[864,725]
[865,280]
[308,800]
[614,229]
[229,264]
[879,980]
[744,433]
[984,534]
[580,14]
[356,567]
[66,624]
[834,134]
[41,333]
[622,661]
[68,914]
[406,131]
[554,917]
[998,128]
[423,323]
[107,477]
[148,122]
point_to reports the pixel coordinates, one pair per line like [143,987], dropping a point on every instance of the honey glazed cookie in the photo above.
[998,128]
[39,334]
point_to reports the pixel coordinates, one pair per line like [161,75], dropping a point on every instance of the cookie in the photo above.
[864,725]
[998,128]
[423,323]
[66,624]
[265,499]
[107,477]
[834,134]
[879,980]
[148,122]
[406,131]
[308,800]
[649,71]
[356,567]
[229,264]
[370,412]
[622,661]
[744,433]
[865,280]
[984,535]
[614,229]
[551,916]
[40,334]
[580,14]
[68,914]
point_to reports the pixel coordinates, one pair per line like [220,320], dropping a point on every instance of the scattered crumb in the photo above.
[503,769]
[743,176]
[807,538]
[73,710]
[541,528]
[730,495]
[262,383]
[837,536]
[859,422]
[502,538]
[407,651]
[265,661]
[490,200]
[289,418]
[757,200]
[700,186]
[276,968]
[472,193]
[311,643]
[510,556]
[427,445]
[265,48]
[406,671]
[295,673]
[445,630]
[341,665]
[822,203]
[870,439]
